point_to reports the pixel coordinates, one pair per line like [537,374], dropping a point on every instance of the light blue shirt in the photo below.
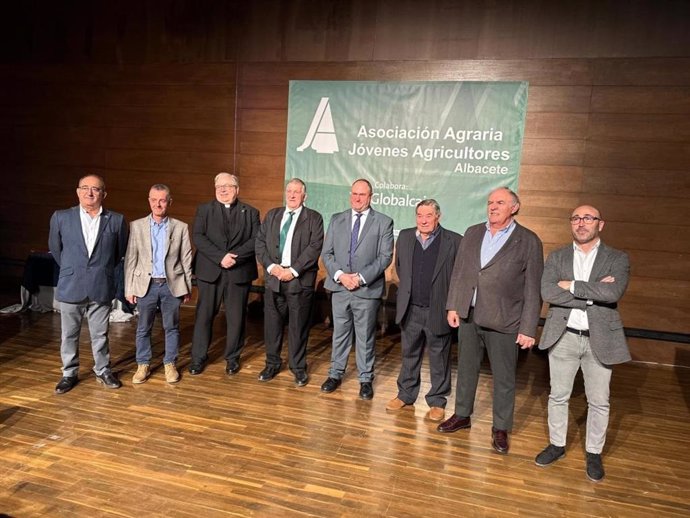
[491,244]
[159,235]
[430,239]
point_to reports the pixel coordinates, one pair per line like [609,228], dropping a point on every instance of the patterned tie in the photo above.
[355,236]
[284,232]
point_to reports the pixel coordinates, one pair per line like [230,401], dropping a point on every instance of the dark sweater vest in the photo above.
[423,264]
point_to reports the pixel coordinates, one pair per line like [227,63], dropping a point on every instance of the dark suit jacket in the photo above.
[81,276]
[307,241]
[606,335]
[508,298]
[212,244]
[373,254]
[404,252]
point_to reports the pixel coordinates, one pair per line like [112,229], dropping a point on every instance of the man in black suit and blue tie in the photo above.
[87,242]
[288,247]
[357,250]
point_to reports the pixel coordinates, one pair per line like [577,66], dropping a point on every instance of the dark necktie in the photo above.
[284,232]
[354,237]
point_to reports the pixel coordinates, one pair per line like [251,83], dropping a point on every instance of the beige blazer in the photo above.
[139,261]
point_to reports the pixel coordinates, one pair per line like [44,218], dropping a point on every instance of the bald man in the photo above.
[583,283]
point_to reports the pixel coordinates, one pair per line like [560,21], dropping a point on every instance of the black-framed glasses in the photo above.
[86,188]
[575,220]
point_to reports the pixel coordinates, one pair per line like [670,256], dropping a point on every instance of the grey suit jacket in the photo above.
[508,298]
[305,247]
[139,260]
[81,276]
[373,254]
[404,252]
[606,334]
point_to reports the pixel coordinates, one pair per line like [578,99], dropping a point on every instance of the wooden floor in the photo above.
[218,446]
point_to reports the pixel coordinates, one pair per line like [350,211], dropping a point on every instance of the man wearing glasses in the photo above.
[583,283]
[87,242]
[224,232]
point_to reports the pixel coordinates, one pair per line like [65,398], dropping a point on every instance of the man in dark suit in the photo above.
[357,250]
[583,283]
[494,300]
[288,247]
[424,261]
[224,233]
[87,242]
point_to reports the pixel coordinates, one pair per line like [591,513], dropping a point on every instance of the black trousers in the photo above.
[296,308]
[211,294]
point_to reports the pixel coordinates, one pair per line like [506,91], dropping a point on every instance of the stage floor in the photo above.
[214,445]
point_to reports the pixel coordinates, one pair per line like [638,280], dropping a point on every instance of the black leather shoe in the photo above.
[454,423]
[301,378]
[268,373]
[233,367]
[366,391]
[66,384]
[109,380]
[196,368]
[499,440]
[330,385]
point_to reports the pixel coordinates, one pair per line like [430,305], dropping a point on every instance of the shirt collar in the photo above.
[84,211]
[577,248]
[363,213]
[433,234]
[163,222]
[505,229]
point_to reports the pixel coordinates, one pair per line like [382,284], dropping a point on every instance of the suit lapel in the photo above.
[443,252]
[76,223]
[512,241]
[599,262]
[367,225]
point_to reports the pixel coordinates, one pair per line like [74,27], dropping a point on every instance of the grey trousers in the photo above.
[353,315]
[566,357]
[416,337]
[71,317]
[503,355]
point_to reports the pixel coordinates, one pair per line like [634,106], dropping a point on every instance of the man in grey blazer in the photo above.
[357,250]
[158,271]
[494,300]
[288,247]
[224,233]
[583,283]
[424,261]
[87,242]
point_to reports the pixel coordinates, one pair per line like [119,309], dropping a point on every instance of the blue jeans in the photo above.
[170,313]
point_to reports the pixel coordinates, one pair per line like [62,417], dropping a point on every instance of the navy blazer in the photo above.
[83,277]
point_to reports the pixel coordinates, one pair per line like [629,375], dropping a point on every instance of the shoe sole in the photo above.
[99,380]
[139,382]
[549,463]
[463,427]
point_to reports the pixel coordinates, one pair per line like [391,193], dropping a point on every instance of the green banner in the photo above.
[451,141]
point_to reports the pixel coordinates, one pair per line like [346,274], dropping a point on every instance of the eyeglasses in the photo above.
[225,186]
[575,220]
[86,188]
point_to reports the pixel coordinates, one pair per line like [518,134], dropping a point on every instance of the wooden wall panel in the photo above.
[143,92]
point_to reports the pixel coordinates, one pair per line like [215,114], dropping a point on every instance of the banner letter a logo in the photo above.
[321,135]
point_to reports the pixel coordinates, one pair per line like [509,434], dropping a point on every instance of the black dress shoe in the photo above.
[268,373]
[454,423]
[499,440]
[232,367]
[66,384]
[109,380]
[330,385]
[301,378]
[366,391]
[196,368]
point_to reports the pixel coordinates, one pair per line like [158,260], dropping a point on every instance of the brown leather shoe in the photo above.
[395,404]
[436,413]
[454,423]
[499,440]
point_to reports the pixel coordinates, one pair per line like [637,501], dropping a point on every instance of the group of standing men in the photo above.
[489,284]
